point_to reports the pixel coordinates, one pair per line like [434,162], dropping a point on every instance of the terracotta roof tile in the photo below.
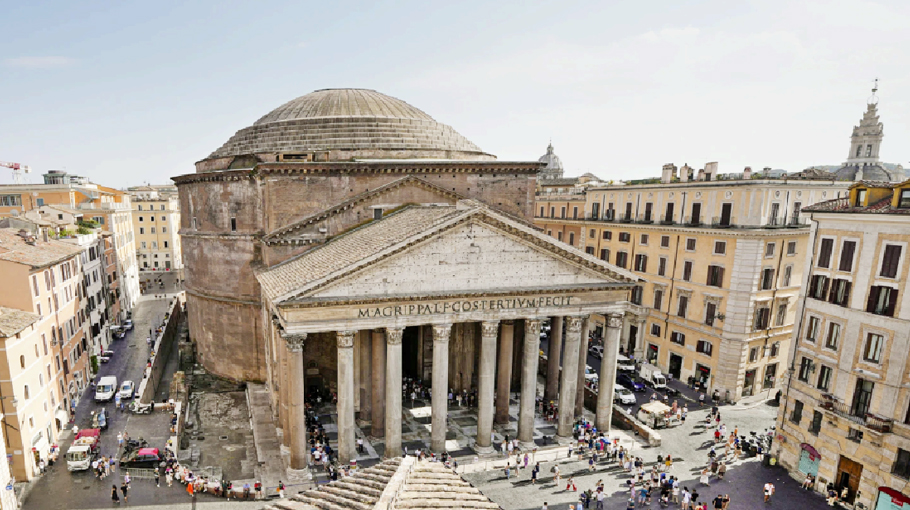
[13,321]
[14,248]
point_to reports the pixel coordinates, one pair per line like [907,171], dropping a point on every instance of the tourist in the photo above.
[258,488]
[769,491]
[571,483]
[555,470]
[124,488]
[114,495]
[534,472]
[808,482]
[280,489]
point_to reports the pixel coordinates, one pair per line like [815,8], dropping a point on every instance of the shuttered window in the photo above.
[882,300]
[824,253]
[710,312]
[715,276]
[687,271]
[846,256]
[658,298]
[890,260]
[683,305]
[840,292]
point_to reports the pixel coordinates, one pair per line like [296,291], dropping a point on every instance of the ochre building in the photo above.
[346,240]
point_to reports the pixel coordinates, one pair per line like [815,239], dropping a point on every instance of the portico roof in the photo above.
[473,232]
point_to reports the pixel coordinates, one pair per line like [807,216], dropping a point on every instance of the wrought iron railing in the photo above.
[872,421]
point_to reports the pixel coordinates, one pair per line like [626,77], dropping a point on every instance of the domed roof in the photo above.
[355,123]
[551,159]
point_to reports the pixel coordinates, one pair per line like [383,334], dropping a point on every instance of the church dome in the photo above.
[350,123]
[551,159]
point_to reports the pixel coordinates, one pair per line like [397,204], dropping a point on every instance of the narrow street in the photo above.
[62,489]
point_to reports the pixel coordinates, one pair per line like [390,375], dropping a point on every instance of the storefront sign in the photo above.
[890,499]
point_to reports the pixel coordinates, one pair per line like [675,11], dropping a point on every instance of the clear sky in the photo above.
[132,92]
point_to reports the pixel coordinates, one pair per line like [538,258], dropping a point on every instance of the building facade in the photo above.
[156,224]
[722,261]
[366,242]
[44,367]
[96,313]
[845,415]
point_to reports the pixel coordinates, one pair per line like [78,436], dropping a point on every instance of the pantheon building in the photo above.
[347,240]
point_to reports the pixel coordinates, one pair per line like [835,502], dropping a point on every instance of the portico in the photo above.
[464,286]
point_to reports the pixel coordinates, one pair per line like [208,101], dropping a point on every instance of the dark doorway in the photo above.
[409,350]
[675,365]
[696,214]
[749,383]
[633,338]
[848,473]
[725,213]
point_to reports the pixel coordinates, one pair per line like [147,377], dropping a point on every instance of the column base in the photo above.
[483,450]
[528,446]
[564,440]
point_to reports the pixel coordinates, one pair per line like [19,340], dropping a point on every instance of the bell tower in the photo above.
[867,136]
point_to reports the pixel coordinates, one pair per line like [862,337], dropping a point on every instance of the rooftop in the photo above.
[363,122]
[13,321]
[884,201]
[36,253]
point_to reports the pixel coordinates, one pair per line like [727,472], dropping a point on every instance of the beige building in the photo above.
[156,224]
[43,367]
[722,260]
[845,415]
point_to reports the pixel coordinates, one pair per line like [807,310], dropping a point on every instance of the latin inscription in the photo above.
[477,305]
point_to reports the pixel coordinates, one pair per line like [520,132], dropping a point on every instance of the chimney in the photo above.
[668,173]
[701,175]
[711,171]
[747,173]
[685,173]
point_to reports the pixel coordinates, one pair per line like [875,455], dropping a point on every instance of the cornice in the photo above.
[719,232]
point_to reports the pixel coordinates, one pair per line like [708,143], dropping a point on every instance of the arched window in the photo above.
[859,150]
[869,151]
[27,395]
[22,361]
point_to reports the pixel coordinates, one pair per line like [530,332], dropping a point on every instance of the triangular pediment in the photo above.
[444,250]
[331,221]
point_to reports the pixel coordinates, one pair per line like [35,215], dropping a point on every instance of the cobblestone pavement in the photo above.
[689,444]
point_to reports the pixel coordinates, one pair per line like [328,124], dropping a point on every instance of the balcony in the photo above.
[626,218]
[645,219]
[871,421]
[692,222]
[719,222]
[667,220]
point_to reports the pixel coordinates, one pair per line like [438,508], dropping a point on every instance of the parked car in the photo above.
[105,389]
[106,356]
[128,324]
[622,395]
[630,383]
[117,332]
[143,458]
[590,374]
[127,389]
[597,351]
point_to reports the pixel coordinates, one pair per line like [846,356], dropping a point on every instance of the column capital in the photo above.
[345,339]
[614,320]
[393,335]
[489,328]
[573,324]
[533,324]
[441,333]
[295,342]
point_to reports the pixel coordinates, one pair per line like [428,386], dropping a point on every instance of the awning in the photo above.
[813,453]
[655,407]
[61,415]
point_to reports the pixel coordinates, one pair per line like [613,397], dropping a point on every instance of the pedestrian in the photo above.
[556,477]
[686,499]
[508,471]
[705,477]
[726,501]
[769,491]
[718,502]
[127,478]
[600,499]
[701,400]
[119,439]
[124,488]
[157,478]
[360,444]
[280,489]
[258,488]
[832,496]
[191,490]
[544,507]
[571,483]
[169,477]
[114,495]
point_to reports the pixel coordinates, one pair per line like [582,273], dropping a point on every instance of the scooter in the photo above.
[138,408]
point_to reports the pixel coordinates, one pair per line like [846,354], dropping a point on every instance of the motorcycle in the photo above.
[138,408]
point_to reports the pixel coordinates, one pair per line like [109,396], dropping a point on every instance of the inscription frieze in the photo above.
[464,306]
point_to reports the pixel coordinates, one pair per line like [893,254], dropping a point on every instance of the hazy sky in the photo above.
[128,92]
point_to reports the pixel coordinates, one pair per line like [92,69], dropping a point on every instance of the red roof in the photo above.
[148,451]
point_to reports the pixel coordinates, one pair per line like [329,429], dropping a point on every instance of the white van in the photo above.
[106,388]
[624,363]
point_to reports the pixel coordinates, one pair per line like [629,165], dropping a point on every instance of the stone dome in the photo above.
[350,123]
[551,159]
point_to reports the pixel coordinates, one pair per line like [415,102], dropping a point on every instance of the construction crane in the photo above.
[17,169]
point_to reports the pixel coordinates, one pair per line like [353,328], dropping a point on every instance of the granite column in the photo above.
[393,393]
[569,378]
[490,329]
[377,371]
[440,399]
[347,448]
[551,391]
[504,376]
[527,402]
[295,390]
[607,377]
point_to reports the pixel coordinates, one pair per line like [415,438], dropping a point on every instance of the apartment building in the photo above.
[94,305]
[845,414]
[71,195]
[111,282]
[43,361]
[722,256]
[156,223]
